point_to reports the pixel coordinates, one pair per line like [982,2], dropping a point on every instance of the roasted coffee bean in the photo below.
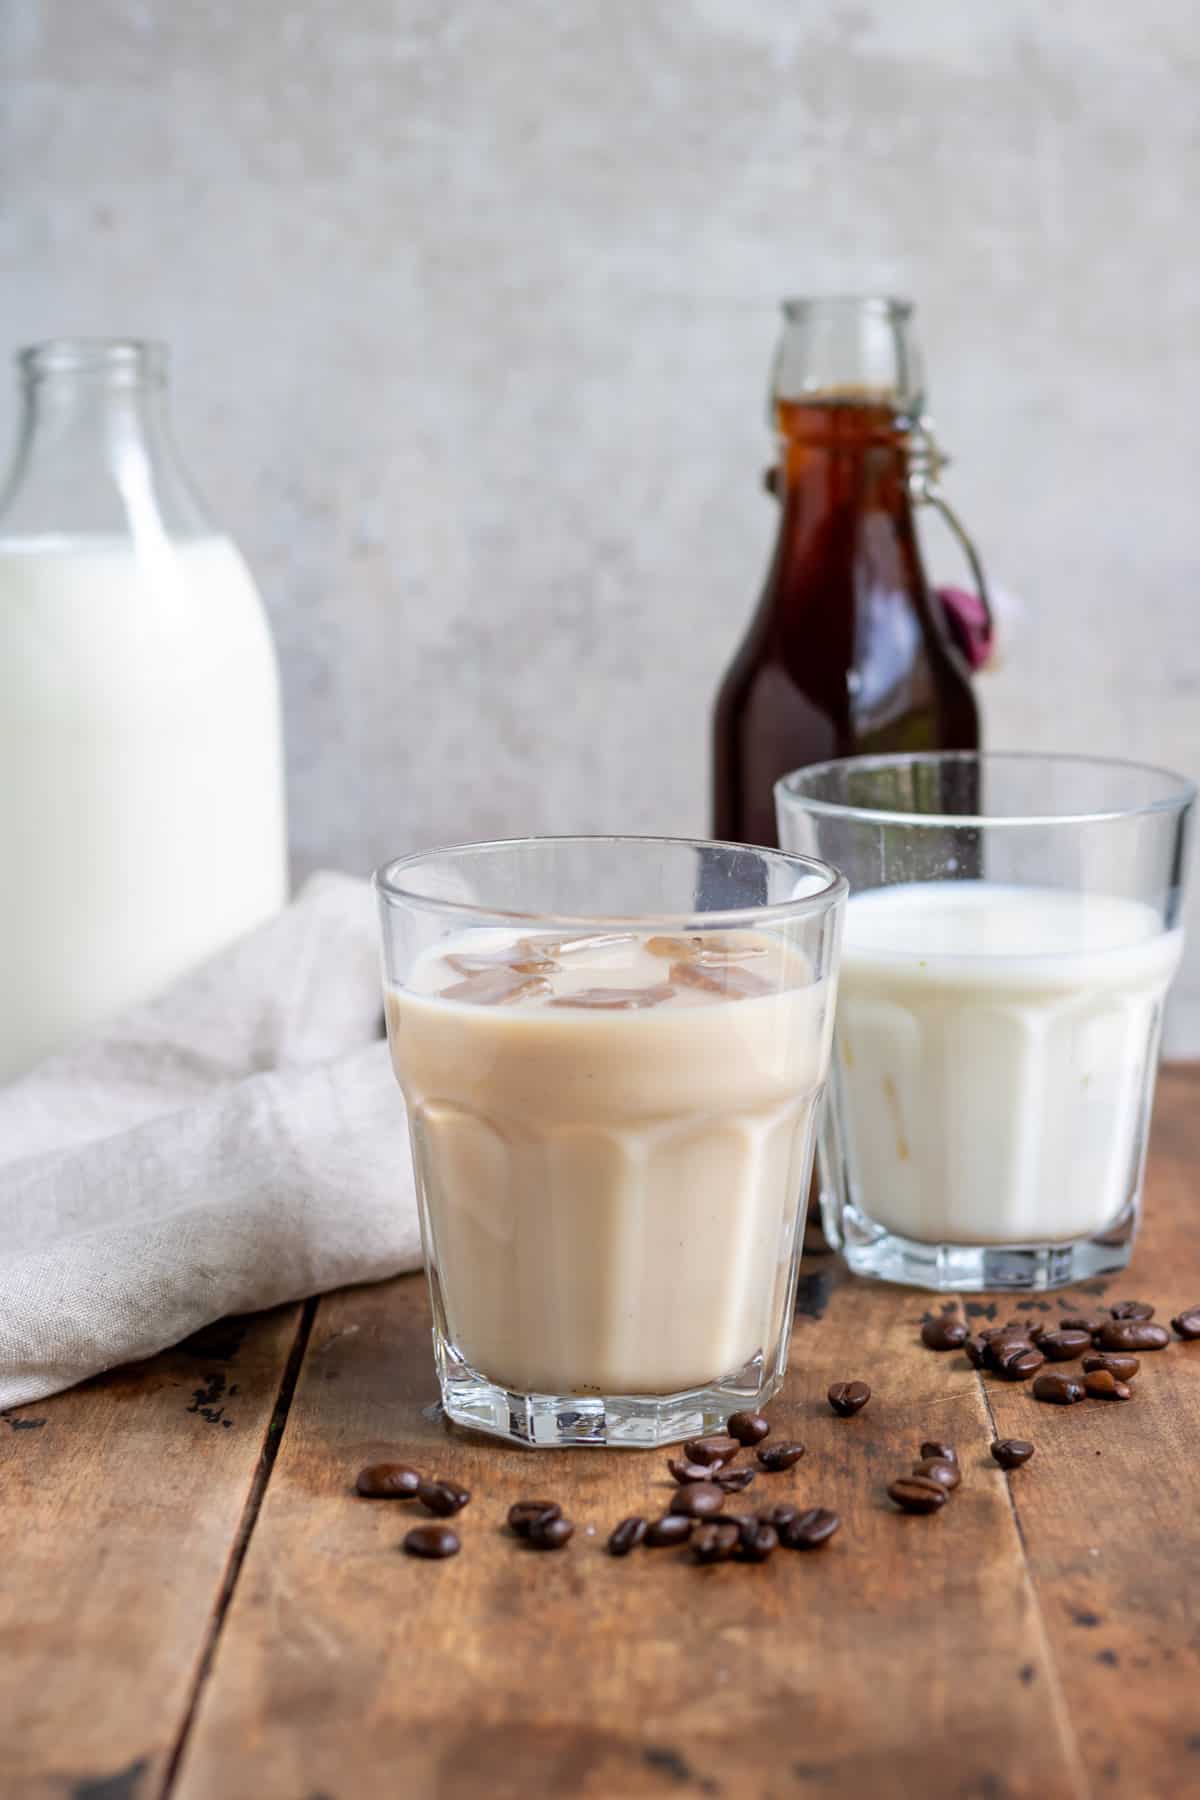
[731,1481]
[1003,1346]
[683,1470]
[442,1497]
[1016,1362]
[673,1528]
[755,1546]
[917,1494]
[550,1534]
[1010,1453]
[709,1450]
[777,1457]
[938,1469]
[976,1350]
[524,1514]
[944,1333]
[1090,1322]
[1102,1384]
[1132,1309]
[1065,1346]
[1123,1367]
[809,1529]
[848,1397]
[1057,1390]
[1187,1323]
[748,1427]
[433,1541]
[1038,1332]
[626,1536]
[943,1452]
[387,1481]
[1132,1334]
[779,1516]
[698,1500]
[715,1541]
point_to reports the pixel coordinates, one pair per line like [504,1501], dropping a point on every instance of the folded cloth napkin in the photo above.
[238,1142]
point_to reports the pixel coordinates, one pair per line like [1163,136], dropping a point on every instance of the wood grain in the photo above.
[122,1503]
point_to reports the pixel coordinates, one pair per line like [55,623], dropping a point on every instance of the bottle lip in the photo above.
[127,362]
[890,306]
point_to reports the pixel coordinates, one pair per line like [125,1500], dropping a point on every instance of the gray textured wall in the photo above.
[472,302]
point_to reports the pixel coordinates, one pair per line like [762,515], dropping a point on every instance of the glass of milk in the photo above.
[612,1050]
[1012,930]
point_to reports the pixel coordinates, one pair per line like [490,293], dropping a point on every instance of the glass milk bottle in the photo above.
[141,768]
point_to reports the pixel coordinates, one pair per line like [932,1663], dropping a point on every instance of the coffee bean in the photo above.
[1002,1348]
[683,1470]
[387,1481]
[976,1351]
[755,1546]
[1132,1309]
[709,1450]
[1038,1332]
[1187,1323]
[1102,1384]
[943,1333]
[1065,1346]
[848,1397]
[1123,1367]
[809,1529]
[948,1474]
[433,1541]
[748,1427]
[1010,1453]
[944,1452]
[715,1541]
[442,1497]
[1057,1390]
[626,1536]
[698,1500]
[1132,1334]
[917,1494]
[1016,1362]
[777,1457]
[779,1516]
[673,1528]
[1089,1322]
[524,1514]
[731,1481]
[550,1534]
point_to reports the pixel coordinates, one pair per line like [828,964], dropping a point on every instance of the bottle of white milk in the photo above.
[141,769]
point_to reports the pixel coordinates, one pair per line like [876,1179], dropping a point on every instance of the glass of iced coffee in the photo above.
[612,1050]
[1014,924]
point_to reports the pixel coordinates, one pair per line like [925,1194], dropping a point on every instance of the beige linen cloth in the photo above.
[236,1143]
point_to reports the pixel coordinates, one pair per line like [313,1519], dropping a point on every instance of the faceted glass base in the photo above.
[881,1255]
[629,1421]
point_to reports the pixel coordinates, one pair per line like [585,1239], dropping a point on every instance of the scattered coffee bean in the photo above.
[1123,1367]
[1131,1309]
[1016,1362]
[626,1536]
[683,1470]
[442,1497]
[387,1481]
[1132,1334]
[809,1529]
[1010,1453]
[524,1514]
[432,1541]
[976,1351]
[731,1481]
[1065,1346]
[755,1546]
[1090,1322]
[946,1332]
[779,1516]
[917,1494]
[1038,1332]
[944,1452]
[1187,1323]
[1102,1384]
[1005,1344]
[948,1474]
[1057,1390]
[673,1528]
[848,1398]
[777,1457]
[550,1534]
[715,1541]
[709,1450]
[698,1500]
[748,1427]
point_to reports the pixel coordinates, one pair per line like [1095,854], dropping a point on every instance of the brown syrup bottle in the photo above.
[849,652]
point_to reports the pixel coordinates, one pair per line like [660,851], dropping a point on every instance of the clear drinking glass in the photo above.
[612,1051]
[1012,930]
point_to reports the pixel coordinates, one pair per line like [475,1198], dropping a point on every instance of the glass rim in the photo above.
[891,306]
[835,889]
[131,357]
[789,789]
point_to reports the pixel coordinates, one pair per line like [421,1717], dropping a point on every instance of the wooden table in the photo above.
[193,1603]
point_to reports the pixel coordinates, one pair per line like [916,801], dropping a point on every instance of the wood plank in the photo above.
[122,1503]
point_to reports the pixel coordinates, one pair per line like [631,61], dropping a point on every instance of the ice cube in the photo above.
[729,982]
[714,948]
[614,999]
[573,946]
[496,987]
[522,960]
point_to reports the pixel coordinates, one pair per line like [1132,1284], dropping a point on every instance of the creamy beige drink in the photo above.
[611,1137]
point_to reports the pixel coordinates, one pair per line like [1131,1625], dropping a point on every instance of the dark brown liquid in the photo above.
[847,654]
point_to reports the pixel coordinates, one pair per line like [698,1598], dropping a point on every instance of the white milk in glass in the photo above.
[996,1044]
